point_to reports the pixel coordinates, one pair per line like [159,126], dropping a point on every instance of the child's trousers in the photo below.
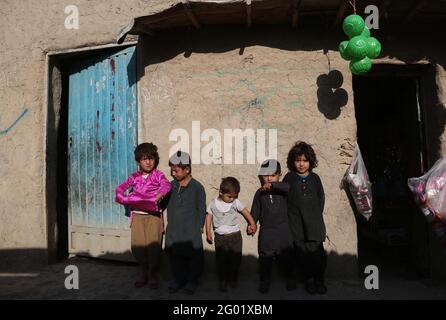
[312,259]
[228,253]
[186,269]
[146,236]
[285,259]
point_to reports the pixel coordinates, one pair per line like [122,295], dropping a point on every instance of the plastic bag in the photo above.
[429,191]
[359,184]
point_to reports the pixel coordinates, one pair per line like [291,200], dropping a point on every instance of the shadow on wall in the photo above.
[331,97]
[412,43]
[22,260]
[397,42]
[168,44]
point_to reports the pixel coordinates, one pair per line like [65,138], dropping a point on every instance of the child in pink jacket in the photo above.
[147,187]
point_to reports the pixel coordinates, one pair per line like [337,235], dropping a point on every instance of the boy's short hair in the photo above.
[148,150]
[229,185]
[301,148]
[270,167]
[180,159]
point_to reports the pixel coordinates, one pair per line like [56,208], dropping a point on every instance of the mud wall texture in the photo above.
[267,78]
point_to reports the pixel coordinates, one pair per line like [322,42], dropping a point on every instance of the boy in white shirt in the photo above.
[222,215]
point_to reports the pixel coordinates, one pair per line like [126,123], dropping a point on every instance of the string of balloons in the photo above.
[361,48]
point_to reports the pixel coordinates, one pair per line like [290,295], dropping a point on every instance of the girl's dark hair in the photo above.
[147,150]
[301,148]
[181,159]
[229,185]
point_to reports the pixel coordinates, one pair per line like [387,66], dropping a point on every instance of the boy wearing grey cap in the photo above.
[270,208]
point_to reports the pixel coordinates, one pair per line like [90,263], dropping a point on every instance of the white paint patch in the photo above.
[159,91]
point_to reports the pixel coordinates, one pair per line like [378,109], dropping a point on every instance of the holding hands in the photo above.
[252,225]
[251,229]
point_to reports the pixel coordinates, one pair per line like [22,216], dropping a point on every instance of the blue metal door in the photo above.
[102,134]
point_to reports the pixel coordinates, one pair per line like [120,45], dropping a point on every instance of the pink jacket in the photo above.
[143,195]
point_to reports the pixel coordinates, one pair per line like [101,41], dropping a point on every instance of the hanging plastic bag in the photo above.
[418,188]
[359,184]
[429,191]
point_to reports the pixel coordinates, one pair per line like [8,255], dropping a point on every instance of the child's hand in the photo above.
[252,228]
[158,197]
[267,186]
[209,238]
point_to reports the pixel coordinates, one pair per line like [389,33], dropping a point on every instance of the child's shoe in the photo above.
[291,285]
[152,282]
[223,286]
[310,286]
[320,287]
[233,284]
[174,287]
[153,285]
[190,288]
[264,287]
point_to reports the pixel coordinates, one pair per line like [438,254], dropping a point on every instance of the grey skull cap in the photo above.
[268,167]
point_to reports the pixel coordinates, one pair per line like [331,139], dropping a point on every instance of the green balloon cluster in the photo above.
[361,48]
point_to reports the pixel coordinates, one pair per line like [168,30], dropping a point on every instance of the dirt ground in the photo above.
[100,279]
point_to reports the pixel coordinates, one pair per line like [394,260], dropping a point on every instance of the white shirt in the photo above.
[223,208]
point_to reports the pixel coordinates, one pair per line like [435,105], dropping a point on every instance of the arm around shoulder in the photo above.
[165,185]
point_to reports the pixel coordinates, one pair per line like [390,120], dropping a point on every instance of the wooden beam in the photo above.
[146,31]
[190,14]
[144,28]
[295,17]
[415,9]
[343,5]
[248,13]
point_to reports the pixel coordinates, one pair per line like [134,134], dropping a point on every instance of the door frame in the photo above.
[55,64]
[424,73]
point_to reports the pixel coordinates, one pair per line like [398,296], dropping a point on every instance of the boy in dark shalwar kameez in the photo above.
[275,240]
[186,211]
